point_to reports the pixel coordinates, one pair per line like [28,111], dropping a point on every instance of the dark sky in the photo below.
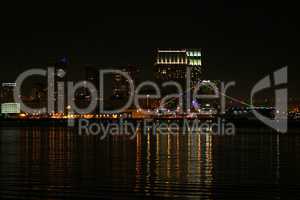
[239,41]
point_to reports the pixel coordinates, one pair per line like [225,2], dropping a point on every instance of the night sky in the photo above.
[239,41]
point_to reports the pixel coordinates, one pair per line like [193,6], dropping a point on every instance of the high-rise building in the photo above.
[38,97]
[92,75]
[120,85]
[8,106]
[7,92]
[83,94]
[173,65]
[60,75]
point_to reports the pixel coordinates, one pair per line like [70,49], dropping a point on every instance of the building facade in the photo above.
[172,65]
[120,85]
[7,92]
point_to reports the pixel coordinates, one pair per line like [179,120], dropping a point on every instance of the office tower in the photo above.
[92,75]
[7,92]
[172,65]
[120,85]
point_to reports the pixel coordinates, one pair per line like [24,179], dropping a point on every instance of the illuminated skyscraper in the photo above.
[173,65]
[8,105]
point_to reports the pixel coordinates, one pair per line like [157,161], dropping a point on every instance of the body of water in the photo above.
[57,163]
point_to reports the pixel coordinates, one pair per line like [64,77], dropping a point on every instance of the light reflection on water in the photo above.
[56,163]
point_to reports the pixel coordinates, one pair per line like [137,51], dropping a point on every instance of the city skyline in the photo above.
[149,100]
